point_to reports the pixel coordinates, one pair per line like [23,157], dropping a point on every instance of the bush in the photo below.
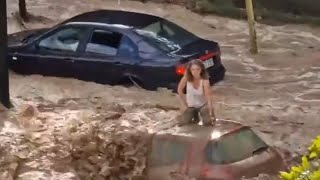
[309,168]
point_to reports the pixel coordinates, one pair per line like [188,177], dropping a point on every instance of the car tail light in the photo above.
[180,69]
[205,172]
[216,173]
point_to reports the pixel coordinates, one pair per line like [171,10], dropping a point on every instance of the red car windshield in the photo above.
[234,147]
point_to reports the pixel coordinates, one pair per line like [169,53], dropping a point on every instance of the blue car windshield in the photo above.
[166,35]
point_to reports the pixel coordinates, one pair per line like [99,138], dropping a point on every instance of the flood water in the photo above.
[277,92]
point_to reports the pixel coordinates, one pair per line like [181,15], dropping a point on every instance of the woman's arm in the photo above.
[208,94]
[182,96]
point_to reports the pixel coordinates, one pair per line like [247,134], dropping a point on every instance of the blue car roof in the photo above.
[126,18]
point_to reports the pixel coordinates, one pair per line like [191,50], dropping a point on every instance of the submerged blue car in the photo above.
[112,46]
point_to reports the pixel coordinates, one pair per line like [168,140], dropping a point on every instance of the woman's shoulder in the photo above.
[205,82]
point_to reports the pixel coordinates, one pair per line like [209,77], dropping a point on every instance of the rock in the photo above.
[23,154]
[13,166]
[45,108]
[27,111]
[105,170]
[190,4]
[86,165]
[274,118]
[125,123]
[90,147]
[6,175]
[95,159]
[63,101]
[266,131]
[26,116]
[117,108]
[72,105]
[113,115]
[167,108]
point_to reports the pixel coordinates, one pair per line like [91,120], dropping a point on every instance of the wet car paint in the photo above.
[148,65]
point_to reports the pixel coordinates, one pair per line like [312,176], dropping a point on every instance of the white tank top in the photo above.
[195,97]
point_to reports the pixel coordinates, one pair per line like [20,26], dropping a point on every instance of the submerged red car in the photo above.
[226,151]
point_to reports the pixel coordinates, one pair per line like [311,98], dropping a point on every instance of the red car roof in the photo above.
[222,127]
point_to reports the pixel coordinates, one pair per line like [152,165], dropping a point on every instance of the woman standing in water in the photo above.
[197,100]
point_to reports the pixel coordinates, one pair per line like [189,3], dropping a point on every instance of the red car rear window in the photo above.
[234,147]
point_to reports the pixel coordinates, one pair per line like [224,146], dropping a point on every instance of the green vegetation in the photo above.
[309,168]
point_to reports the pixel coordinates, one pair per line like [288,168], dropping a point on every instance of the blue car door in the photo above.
[98,57]
[127,58]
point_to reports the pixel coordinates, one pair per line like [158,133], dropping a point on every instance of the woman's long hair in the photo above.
[203,74]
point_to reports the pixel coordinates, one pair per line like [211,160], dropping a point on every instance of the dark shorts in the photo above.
[195,115]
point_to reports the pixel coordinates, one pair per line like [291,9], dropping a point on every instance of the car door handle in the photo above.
[117,63]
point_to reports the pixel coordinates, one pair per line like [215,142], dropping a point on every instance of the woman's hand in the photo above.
[208,95]
[207,92]
[183,108]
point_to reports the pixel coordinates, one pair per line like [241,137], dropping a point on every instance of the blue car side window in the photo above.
[127,48]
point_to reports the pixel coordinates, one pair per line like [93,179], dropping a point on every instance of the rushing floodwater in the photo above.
[277,92]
